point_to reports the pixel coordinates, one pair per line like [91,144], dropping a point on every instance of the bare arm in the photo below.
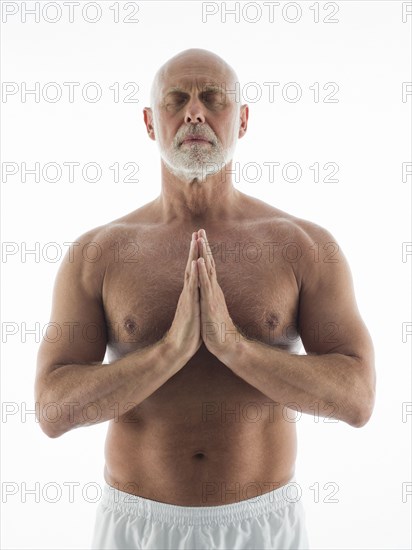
[73,388]
[337,377]
[77,395]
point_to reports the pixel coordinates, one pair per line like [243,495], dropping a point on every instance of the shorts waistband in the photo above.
[137,506]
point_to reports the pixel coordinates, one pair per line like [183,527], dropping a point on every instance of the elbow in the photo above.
[361,420]
[51,430]
[50,426]
[363,414]
[366,391]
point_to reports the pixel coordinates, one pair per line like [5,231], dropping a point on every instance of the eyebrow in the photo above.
[205,88]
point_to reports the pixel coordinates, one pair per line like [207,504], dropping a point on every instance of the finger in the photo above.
[203,276]
[196,281]
[193,281]
[189,260]
[202,233]
[196,247]
[193,255]
[207,256]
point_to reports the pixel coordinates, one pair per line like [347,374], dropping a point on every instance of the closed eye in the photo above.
[207,97]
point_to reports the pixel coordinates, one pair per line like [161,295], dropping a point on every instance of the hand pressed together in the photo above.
[201,313]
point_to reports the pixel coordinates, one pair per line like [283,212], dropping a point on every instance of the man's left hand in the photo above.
[217,328]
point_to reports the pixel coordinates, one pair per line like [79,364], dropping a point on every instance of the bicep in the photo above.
[77,330]
[329,319]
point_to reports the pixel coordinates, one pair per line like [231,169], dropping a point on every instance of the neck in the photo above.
[198,202]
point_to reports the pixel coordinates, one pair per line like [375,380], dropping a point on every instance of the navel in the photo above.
[199,455]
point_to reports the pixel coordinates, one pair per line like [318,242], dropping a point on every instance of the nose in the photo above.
[194,112]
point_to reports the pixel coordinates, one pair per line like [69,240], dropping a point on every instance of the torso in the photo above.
[205,437]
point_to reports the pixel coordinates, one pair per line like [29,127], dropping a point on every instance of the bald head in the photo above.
[203,61]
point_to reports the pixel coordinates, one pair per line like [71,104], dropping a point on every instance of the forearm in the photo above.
[94,393]
[327,385]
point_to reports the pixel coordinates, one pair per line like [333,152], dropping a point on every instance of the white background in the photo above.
[367,133]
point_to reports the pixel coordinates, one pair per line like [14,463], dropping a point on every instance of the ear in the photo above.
[244,116]
[148,120]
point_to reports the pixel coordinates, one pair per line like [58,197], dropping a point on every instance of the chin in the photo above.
[187,177]
[188,174]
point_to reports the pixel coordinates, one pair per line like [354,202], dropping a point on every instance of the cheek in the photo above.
[171,127]
[227,131]
[166,132]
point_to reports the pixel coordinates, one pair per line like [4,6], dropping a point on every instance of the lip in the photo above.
[195,139]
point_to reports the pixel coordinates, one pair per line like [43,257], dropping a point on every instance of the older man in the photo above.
[202,299]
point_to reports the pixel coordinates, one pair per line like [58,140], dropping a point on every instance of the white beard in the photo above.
[196,160]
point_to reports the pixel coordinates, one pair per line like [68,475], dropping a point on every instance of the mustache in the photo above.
[196,132]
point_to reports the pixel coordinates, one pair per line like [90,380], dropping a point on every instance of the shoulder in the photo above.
[308,237]
[311,249]
[96,239]
[310,233]
[281,222]
[322,260]
[90,253]
[105,237]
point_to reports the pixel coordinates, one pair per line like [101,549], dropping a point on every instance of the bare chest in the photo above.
[144,280]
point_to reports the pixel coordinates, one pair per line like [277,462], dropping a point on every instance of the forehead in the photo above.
[191,73]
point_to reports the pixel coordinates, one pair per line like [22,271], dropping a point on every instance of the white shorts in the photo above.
[273,520]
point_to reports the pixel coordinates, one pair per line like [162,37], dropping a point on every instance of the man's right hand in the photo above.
[184,334]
